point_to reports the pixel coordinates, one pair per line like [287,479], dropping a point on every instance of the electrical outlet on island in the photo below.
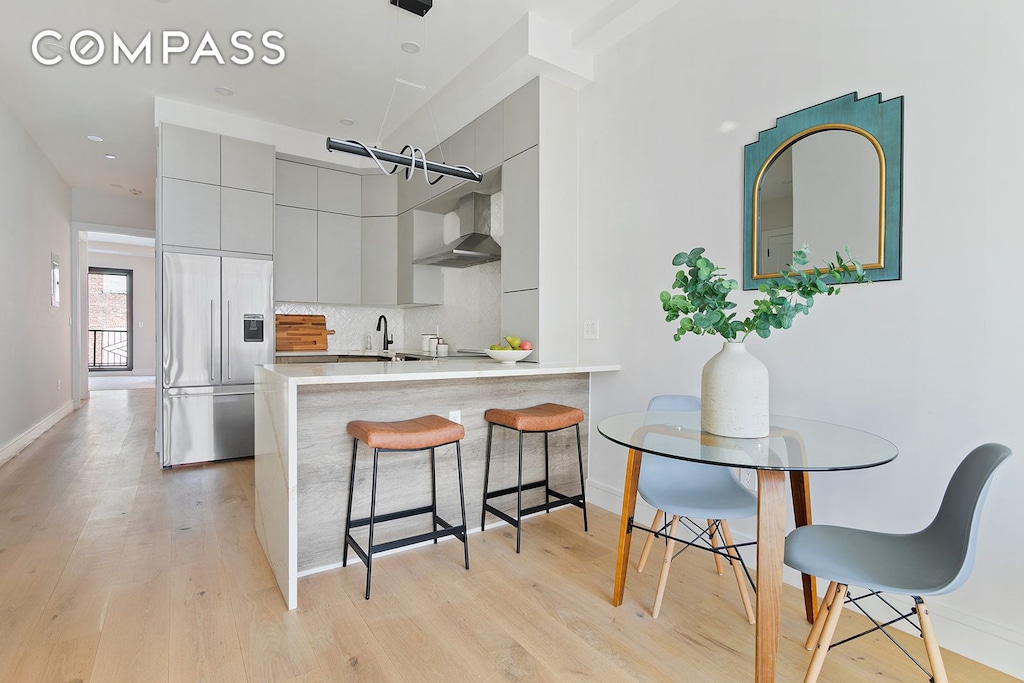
[455,416]
[749,479]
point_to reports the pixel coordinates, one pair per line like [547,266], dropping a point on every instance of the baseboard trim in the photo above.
[974,637]
[18,443]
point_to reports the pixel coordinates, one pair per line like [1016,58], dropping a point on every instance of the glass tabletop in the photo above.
[793,443]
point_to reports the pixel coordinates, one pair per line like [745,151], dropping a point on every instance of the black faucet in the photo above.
[387,340]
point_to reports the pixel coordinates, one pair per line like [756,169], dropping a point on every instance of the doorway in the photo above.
[110,320]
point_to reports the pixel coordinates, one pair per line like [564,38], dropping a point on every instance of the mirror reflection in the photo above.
[826,190]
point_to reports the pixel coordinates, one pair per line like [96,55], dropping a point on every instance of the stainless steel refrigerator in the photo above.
[217,324]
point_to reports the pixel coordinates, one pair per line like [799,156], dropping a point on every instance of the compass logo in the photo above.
[88,47]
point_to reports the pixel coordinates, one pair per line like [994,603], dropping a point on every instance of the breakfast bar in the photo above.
[303,452]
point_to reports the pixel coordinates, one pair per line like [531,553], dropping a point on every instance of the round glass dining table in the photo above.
[794,445]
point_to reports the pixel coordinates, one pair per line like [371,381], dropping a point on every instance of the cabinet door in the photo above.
[380,261]
[339,192]
[246,221]
[296,185]
[521,119]
[246,165]
[380,195]
[339,247]
[489,146]
[419,234]
[189,154]
[295,246]
[189,214]
[520,242]
[520,316]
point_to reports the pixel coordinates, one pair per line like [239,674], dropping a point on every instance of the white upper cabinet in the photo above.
[189,214]
[379,266]
[189,154]
[339,258]
[520,242]
[489,143]
[339,192]
[420,233]
[296,185]
[521,119]
[246,221]
[380,195]
[295,247]
[246,165]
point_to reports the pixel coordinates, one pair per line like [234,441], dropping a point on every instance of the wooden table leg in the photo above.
[800,485]
[771,538]
[625,525]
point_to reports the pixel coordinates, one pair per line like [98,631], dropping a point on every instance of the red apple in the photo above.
[525,346]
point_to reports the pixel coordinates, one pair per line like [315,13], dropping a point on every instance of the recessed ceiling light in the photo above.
[115,186]
[347,122]
[226,92]
[110,156]
[410,46]
[94,138]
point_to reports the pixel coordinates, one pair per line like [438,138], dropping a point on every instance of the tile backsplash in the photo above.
[469,318]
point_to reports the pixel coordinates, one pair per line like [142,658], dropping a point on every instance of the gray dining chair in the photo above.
[932,561]
[690,491]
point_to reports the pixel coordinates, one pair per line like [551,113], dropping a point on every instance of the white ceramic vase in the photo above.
[734,394]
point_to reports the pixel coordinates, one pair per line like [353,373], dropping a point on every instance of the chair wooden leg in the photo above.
[741,580]
[819,620]
[714,545]
[818,658]
[649,542]
[669,548]
[931,646]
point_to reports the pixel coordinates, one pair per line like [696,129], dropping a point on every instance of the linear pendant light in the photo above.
[410,157]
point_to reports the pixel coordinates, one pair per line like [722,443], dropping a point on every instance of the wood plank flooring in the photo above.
[112,569]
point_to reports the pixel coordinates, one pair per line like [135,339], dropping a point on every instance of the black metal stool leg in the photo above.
[433,493]
[519,495]
[348,514]
[547,475]
[487,472]
[583,485]
[462,500]
[373,511]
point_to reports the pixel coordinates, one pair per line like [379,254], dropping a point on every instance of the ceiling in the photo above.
[341,61]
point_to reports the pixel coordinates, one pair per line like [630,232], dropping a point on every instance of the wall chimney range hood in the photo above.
[475,244]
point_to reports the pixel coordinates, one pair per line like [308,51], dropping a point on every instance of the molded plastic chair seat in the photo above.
[713,494]
[935,560]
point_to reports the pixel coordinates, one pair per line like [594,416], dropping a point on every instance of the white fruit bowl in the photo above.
[508,356]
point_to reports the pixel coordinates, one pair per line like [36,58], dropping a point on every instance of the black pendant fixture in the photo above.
[420,7]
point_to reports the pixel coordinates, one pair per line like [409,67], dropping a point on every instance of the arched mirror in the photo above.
[828,176]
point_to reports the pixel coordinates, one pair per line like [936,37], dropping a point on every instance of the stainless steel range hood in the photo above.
[475,244]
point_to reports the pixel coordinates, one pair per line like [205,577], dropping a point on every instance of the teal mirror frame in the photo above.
[881,122]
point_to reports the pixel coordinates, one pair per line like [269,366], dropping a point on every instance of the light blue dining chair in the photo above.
[690,491]
[932,561]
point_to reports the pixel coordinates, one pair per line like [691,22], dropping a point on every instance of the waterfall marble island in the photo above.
[303,451]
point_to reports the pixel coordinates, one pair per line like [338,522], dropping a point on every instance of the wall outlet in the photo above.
[749,479]
[591,329]
[58,382]
[455,416]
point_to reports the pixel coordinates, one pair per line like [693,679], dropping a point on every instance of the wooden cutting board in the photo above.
[301,332]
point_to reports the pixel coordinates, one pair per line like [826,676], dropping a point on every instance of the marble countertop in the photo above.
[375,353]
[405,371]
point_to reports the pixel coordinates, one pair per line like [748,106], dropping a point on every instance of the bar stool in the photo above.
[420,434]
[544,418]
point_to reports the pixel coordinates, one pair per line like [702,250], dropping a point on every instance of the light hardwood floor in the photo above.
[112,569]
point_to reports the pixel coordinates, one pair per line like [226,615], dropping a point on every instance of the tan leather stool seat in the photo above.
[545,417]
[418,433]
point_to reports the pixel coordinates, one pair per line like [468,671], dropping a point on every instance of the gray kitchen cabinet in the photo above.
[420,233]
[339,192]
[380,195]
[379,262]
[520,316]
[520,243]
[338,258]
[458,150]
[295,246]
[296,185]
[189,214]
[189,154]
[521,119]
[246,221]
[489,148]
[246,165]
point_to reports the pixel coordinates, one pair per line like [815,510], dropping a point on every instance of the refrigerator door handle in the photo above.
[213,341]
[227,332]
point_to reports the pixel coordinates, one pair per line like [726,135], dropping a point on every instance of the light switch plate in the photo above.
[591,329]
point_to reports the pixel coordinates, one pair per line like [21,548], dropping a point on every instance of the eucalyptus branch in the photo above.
[703,307]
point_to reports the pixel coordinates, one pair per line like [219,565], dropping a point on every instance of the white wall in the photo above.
[35,219]
[143,297]
[932,362]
